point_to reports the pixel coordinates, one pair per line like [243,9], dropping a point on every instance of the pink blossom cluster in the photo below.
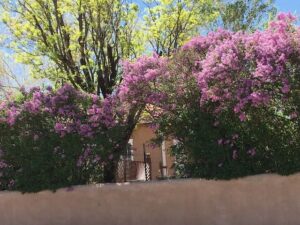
[231,142]
[88,156]
[248,70]
[141,79]
[234,71]
[202,44]
[71,110]
[102,114]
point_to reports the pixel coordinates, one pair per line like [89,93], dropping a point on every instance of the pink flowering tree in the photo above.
[234,102]
[51,139]
[251,82]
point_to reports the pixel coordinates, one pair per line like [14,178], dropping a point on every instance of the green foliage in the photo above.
[76,41]
[34,156]
[218,145]
[241,15]
[199,154]
[170,23]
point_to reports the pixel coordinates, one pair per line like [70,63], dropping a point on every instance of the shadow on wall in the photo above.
[262,199]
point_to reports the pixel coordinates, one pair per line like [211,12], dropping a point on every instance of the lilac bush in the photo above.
[250,70]
[235,102]
[141,81]
[64,137]
[51,139]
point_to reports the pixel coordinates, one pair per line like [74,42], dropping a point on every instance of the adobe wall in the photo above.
[143,134]
[259,200]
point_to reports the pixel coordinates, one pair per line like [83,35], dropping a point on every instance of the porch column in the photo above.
[164,159]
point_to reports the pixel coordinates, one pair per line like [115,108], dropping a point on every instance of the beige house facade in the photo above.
[162,163]
[143,160]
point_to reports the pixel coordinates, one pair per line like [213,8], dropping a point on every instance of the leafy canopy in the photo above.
[83,41]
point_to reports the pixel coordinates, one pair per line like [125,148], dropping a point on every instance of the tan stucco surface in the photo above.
[143,134]
[265,199]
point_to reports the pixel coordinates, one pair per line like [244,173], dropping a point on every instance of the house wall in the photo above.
[143,134]
[259,200]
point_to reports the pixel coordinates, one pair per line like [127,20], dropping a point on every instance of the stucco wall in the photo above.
[265,199]
[143,134]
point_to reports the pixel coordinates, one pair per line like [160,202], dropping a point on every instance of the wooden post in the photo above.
[163,159]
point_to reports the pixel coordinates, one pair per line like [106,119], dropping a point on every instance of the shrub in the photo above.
[54,139]
[234,102]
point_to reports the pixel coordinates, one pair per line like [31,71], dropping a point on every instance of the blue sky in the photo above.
[292,6]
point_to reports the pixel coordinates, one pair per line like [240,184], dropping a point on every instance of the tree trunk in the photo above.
[110,170]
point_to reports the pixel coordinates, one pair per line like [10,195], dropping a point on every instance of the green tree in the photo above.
[169,23]
[244,14]
[80,42]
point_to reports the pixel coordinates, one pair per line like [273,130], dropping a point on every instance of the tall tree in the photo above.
[77,41]
[241,15]
[169,23]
